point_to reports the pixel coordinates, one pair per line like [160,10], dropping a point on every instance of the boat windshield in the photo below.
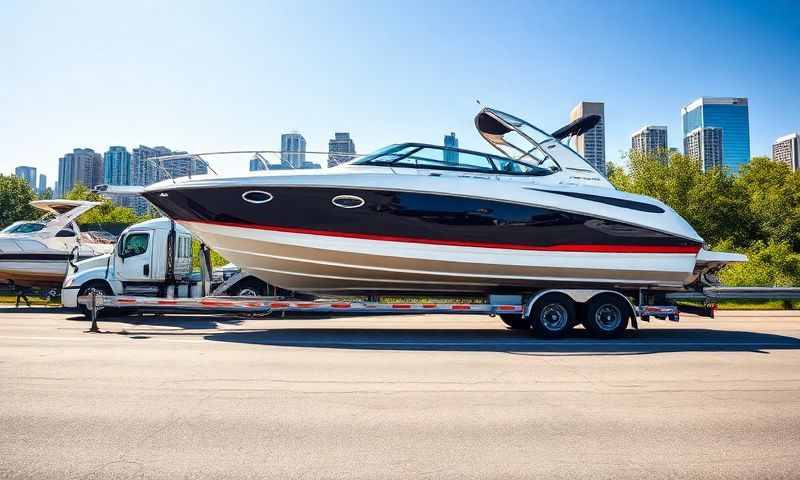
[432,157]
[24,227]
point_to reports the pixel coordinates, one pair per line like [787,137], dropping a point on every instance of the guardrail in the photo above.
[711,294]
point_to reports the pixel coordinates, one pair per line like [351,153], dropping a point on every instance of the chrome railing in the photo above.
[262,156]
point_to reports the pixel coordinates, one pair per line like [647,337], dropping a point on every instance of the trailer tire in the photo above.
[552,315]
[99,286]
[515,321]
[250,287]
[607,316]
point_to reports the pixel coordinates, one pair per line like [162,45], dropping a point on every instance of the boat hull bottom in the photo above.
[323,264]
[30,274]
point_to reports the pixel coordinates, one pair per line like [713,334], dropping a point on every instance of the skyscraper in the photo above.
[82,166]
[705,145]
[450,144]
[729,114]
[787,150]
[28,174]
[42,184]
[293,150]
[257,164]
[649,139]
[340,149]
[145,170]
[117,166]
[592,144]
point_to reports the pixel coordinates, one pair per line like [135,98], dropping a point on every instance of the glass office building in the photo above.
[117,166]
[729,114]
[450,152]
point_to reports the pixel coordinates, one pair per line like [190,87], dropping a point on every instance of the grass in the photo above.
[10,299]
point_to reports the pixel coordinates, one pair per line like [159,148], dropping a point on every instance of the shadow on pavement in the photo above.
[188,322]
[647,341]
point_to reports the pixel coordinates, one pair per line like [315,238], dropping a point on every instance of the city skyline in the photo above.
[379,107]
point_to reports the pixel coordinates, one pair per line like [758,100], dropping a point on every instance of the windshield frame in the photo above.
[409,149]
[514,124]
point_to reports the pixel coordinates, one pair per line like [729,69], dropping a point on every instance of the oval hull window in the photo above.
[256,196]
[347,201]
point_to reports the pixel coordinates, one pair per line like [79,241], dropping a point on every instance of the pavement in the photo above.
[438,396]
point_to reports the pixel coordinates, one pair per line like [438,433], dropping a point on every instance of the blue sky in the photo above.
[233,75]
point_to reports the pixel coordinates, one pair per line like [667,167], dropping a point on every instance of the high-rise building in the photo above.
[82,166]
[786,150]
[117,166]
[705,145]
[293,150]
[341,149]
[592,144]
[257,164]
[145,170]
[649,139]
[28,174]
[729,114]
[42,184]
[450,148]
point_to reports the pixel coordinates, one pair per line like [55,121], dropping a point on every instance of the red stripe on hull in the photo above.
[589,248]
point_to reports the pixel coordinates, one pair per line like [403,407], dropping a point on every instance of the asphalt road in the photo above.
[396,397]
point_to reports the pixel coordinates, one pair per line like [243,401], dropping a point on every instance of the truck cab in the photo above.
[152,259]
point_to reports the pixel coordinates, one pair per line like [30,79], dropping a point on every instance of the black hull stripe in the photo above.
[593,248]
[414,217]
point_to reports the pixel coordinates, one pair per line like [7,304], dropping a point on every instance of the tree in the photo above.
[772,191]
[712,202]
[107,212]
[15,198]
[768,265]
[47,194]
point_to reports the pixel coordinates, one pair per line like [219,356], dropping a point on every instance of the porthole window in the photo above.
[347,201]
[256,196]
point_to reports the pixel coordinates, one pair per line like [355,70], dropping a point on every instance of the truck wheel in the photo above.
[606,316]
[515,322]
[249,287]
[101,288]
[553,315]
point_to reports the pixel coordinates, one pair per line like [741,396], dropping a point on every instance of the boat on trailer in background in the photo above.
[36,253]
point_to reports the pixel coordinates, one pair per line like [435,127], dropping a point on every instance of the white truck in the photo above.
[153,260]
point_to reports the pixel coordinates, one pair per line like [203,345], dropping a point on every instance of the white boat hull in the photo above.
[322,263]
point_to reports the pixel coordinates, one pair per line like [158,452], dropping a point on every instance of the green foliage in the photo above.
[756,212]
[768,265]
[108,212]
[15,196]
[216,259]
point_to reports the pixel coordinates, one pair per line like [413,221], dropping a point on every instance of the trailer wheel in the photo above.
[553,315]
[515,322]
[250,287]
[99,287]
[607,316]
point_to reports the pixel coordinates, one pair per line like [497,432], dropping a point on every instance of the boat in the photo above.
[415,217]
[36,253]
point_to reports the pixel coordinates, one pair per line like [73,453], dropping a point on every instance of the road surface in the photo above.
[396,397]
